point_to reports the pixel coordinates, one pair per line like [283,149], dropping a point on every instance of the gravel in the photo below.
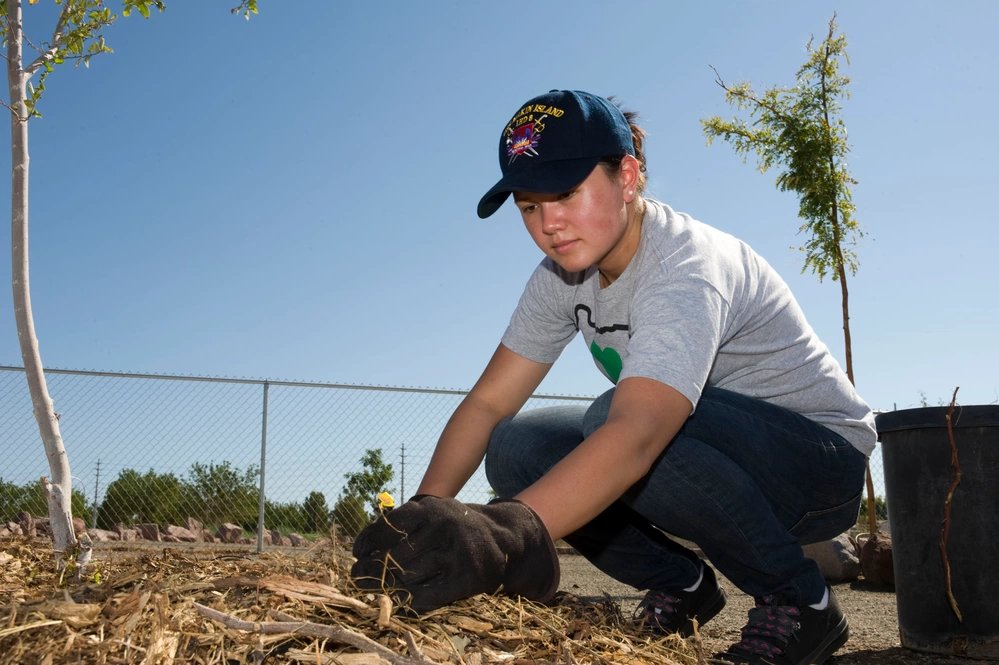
[871,612]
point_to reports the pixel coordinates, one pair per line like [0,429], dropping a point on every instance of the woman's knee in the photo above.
[522,448]
[596,413]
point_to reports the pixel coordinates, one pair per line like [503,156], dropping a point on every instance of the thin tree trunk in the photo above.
[872,518]
[846,314]
[59,491]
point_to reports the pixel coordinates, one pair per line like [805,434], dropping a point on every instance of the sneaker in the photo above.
[665,612]
[787,635]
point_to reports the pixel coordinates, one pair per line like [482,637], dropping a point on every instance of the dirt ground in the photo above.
[872,615]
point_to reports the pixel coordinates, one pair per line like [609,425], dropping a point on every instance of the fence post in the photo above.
[263,468]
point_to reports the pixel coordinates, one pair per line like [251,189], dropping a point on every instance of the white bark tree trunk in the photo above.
[59,491]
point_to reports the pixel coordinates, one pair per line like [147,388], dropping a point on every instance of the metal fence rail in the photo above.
[269,457]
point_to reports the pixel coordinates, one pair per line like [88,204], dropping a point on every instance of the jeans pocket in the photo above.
[818,525]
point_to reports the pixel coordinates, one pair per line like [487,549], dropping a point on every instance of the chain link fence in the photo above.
[173,458]
[225,459]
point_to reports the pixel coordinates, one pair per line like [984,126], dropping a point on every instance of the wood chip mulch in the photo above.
[212,606]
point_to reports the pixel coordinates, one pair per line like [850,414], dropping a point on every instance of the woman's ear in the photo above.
[630,174]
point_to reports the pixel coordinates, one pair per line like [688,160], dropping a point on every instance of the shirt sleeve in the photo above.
[678,323]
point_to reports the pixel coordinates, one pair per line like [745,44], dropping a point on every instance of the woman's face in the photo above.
[585,226]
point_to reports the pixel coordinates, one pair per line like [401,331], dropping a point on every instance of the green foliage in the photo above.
[142,6]
[798,131]
[350,514]
[30,498]
[245,8]
[880,510]
[315,512]
[357,505]
[134,498]
[211,493]
[222,492]
[285,517]
[78,35]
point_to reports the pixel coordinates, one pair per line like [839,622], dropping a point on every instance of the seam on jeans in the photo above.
[809,514]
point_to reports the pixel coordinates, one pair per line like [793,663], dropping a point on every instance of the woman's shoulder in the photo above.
[682,247]
[681,230]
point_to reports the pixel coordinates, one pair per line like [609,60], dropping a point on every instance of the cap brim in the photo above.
[547,177]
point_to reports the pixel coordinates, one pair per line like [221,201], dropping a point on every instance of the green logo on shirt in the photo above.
[609,359]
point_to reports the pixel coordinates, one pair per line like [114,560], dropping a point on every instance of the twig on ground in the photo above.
[310,629]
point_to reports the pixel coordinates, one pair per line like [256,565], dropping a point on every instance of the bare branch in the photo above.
[759,102]
[12,110]
[955,464]
[54,44]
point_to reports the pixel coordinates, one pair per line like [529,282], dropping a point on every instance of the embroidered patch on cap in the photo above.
[523,133]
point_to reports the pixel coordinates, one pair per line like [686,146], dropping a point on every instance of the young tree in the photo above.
[223,493]
[798,131]
[134,497]
[358,502]
[77,36]
[317,515]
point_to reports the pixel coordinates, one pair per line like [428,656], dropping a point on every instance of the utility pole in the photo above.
[97,485]
[402,488]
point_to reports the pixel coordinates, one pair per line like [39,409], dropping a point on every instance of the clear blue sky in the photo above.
[294,197]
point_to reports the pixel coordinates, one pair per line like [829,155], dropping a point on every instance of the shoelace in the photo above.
[769,629]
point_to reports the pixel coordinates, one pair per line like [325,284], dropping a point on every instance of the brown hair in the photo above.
[612,163]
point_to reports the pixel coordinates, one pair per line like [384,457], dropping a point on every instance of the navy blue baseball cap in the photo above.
[553,142]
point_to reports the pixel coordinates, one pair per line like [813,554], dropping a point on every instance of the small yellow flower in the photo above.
[385,502]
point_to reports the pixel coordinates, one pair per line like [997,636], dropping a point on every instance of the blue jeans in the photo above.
[747,481]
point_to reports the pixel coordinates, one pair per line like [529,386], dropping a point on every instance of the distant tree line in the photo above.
[30,498]
[215,494]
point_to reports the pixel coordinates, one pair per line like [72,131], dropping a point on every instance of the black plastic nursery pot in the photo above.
[916,450]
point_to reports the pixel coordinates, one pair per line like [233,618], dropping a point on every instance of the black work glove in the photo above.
[432,551]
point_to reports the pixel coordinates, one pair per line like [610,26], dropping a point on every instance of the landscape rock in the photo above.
[27,524]
[126,535]
[196,527]
[877,561]
[180,533]
[103,535]
[149,532]
[838,559]
[229,533]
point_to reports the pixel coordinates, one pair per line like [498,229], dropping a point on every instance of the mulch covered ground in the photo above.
[198,605]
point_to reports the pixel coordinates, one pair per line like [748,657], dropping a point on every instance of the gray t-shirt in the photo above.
[695,307]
